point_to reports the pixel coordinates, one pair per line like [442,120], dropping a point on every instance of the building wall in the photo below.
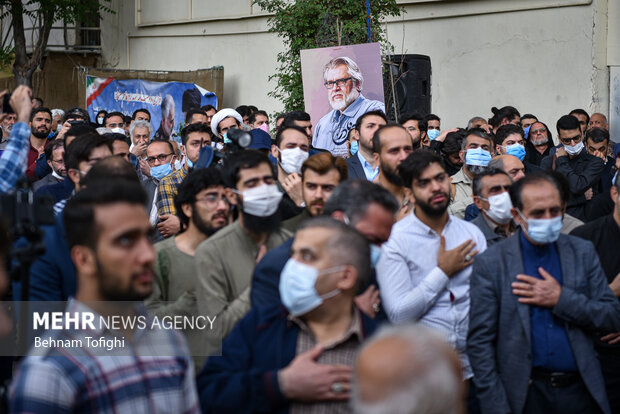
[542,56]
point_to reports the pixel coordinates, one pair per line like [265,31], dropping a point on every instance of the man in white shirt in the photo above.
[425,266]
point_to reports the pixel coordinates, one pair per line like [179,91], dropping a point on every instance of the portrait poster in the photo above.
[331,125]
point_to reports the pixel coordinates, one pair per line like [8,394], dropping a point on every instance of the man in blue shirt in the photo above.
[535,297]
[343,81]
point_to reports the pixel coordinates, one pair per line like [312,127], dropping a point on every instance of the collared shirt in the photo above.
[13,159]
[462,194]
[152,373]
[340,352]
[33,156]
[414,288]
[550,345]
[167,190]
[332,130]
[497,229]
[371,173]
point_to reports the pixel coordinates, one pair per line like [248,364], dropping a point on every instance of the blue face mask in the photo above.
[613,180]
[297,289]
[517,150]
[375,255]
[543,231]
[226,139]
[354,147]
[526,131]
[161,171]
[433,133]
[189,163]
[477,156]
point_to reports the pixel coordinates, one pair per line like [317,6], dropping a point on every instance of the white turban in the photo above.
[220,115]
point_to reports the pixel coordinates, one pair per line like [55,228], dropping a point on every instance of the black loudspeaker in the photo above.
[407,85]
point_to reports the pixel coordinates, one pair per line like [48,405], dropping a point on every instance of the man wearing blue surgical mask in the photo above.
[301,357]
[535,300]
[571,159]
[510,140]
[475,154]
[160,158]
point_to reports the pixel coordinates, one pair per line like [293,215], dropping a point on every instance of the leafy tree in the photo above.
[308,24]
[43,13]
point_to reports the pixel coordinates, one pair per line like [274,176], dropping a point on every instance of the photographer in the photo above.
[13,159]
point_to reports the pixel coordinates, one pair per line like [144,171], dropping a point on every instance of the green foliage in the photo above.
[308,24]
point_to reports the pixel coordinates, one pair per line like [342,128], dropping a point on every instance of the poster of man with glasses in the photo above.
[351,79]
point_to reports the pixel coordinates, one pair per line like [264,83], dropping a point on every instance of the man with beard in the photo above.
[108,233]
[225,262]
[7,126]
[54,154]
[203,209]
[475,154]
[538,144]
[166,128]
[320,175]
[363,165]
[391,145]
[432,287]
[416,127]
[40,127]
[343,81]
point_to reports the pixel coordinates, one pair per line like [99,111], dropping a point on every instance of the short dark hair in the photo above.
[414,165]
[76,113]
[378,112]
[477,132]
[567,122]
[243,160]
[452,143]
[346,247]
[51,146]
[243,110]
[78,131]
[505,130]
[36,98]
[291,117]
[580,111]
[354,197]
[208,107]
[199,127]
[143,110]
[40,109]
[529,116]
[376,138]
[283,128]
[115,136]
[597,135]
[165,141]
[110,168]
[80,149]
[193,111]
[505,112]
[196,181]
[79,213]
[111,114]
[413,116]
[516,190]
[477,183]
[431,117]
[253,108]
[252,117]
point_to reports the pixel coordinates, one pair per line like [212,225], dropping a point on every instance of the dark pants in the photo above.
[610,365]
[545,397]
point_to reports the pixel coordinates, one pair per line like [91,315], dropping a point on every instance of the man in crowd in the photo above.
[407,370]
[299,119]
[301,359]
[583,118]
[598,144]
[582,170]
[598,120]
[343,81]
[363,164]
[140,133]
[391,146]
[416,127]
[604,233]
[433,123]
[223,120]
[160,157]
[203,209]
[193,138]
[141,114]
[225,262]
[527,120]
[320,175]
[7,126]
[108,233]
[432,287]
[194,116]
[539,143]
[504,115]
[54,153]
[40,127]
[166,128]
[535,298]
[509,140]
[114,121]
[492,198]
[475,154]
[258,119]
[210,111]
[509,164]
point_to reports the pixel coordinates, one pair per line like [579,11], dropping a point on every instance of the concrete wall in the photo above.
[542,56]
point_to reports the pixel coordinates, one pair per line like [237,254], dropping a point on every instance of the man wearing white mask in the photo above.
[582,170]
[493,200]
[225,261]
[115,121]
[291,149]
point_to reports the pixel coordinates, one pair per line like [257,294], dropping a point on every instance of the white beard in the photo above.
[540,141]
[343,103]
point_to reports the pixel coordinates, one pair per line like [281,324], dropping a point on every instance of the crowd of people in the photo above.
[411,269]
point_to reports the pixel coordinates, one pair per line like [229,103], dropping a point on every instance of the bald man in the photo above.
[407,370]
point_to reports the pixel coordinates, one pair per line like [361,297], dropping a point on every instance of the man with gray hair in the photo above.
[343,80]
[166,128]
[407,369]
[140,133]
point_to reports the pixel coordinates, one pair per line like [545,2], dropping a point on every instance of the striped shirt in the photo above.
[14,157]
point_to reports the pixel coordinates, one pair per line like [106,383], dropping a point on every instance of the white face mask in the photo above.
[262,201]
[100,120]
[499,208]
[292,159]
[118,131]
[574,149]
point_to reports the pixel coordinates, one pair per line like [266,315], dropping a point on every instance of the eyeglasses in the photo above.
[567,141]
[59,162]
[212,200]
[160,158]
[538,131]
[338,82]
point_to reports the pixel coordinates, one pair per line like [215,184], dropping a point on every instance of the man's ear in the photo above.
[74,175]
[462,156]
[84,259]
[231,196]
[517,217]
[498,149]
[187,209]
[274,151]
[348,279]
[338,215]
[479,203]
[375,157]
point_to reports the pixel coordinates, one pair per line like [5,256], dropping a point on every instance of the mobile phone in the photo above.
[6,106]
